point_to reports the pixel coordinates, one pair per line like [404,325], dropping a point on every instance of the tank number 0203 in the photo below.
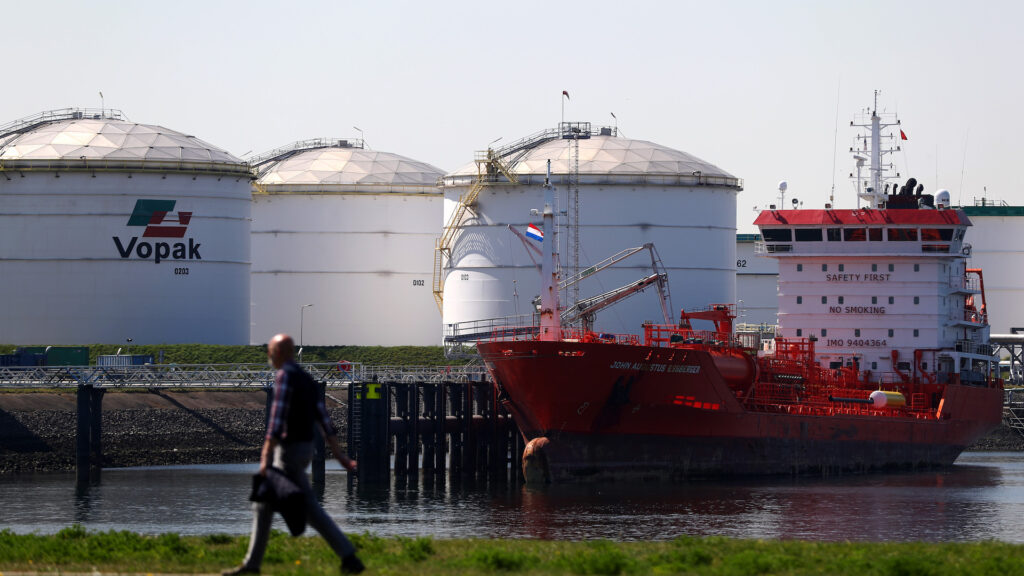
[741,263]
[181,271]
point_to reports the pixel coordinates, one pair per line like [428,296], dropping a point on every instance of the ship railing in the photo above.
[523,325]
[972,347]
[961,282]
[661,335]
[972,315]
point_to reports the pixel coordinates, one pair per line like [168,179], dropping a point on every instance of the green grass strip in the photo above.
[75,549]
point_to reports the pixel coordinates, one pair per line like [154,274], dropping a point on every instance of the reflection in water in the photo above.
[980,498]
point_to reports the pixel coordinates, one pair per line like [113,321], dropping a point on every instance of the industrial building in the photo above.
[613,193]
[115,231]
[342,243]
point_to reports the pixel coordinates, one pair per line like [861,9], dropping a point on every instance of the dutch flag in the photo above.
[535,233]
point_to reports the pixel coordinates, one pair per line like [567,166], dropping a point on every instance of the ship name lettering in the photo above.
[621,366]
[684,369]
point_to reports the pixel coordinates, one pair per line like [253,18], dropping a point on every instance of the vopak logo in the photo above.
[153,214]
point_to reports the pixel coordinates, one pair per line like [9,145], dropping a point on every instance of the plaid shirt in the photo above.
[277,428]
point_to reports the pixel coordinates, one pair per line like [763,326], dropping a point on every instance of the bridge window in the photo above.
[808,234]
[934,234]
[855,234]
[902,234]
[875,234]
[777,234]
[835,234]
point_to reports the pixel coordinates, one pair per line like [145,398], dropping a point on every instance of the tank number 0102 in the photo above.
[741,263]
[181,271]
[417,283]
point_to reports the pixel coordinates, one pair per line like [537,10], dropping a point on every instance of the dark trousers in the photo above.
[294,459]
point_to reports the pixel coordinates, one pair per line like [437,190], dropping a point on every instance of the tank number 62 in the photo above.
[741,263]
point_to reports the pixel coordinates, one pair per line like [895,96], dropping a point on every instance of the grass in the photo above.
[76,550]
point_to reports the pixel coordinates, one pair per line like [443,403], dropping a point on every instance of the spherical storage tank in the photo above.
[630,192]
[111,230]
[349,231]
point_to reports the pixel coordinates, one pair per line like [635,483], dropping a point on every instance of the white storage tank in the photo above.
[757,283]
[631,192]
[111,230]
[997,247]
[350,231]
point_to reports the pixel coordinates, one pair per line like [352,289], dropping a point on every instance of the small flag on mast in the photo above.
[566,94]
[535,233]
[903,135]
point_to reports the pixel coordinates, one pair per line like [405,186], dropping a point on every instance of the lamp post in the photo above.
[302,318]
[129,341]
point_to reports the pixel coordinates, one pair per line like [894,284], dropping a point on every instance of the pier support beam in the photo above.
[88,445]
[319,444]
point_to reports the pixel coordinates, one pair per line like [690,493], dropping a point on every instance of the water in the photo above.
[980,498]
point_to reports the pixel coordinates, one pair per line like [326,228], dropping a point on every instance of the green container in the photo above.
[62,355]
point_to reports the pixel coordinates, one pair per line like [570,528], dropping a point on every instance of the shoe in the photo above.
[243,569]
[352,565]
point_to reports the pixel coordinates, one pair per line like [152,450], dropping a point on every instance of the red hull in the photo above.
[616,410]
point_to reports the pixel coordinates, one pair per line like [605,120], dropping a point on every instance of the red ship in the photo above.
[891,370]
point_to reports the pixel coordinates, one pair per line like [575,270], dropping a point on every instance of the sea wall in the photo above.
[37,430]
[151,428]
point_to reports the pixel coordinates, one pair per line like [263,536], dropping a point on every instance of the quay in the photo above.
[401,419]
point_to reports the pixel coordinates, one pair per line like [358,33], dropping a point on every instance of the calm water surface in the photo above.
[980,498]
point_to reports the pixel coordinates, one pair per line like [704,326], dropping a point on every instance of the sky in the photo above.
[764,90]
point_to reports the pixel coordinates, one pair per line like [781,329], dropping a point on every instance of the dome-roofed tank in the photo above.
[350,231]
[111,229]
[630,192]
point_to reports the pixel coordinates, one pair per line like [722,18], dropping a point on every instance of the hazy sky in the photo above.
[752,87]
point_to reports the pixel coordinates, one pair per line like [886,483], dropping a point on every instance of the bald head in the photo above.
[280,349]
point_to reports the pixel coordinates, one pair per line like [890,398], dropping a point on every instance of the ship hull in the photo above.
[622,411]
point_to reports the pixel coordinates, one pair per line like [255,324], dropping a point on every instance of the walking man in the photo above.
[288,446]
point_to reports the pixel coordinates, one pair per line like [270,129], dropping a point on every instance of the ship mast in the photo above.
[550,315]
[875,192]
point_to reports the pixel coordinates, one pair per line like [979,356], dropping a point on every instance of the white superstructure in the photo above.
[350,231]
[884,288]
[622,193]
[111,230]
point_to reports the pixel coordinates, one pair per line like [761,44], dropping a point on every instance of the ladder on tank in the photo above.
[490,165]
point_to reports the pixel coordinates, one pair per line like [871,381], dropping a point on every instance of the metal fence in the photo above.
[336,374]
